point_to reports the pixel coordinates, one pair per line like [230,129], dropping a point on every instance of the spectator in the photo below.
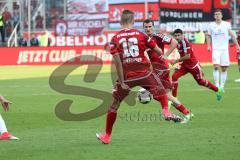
[44,39]
[199,37]
[6,15]
[39,21]
[22,42]
[34,41]
[48,20]
[15,18]
[2,29]
[8,27]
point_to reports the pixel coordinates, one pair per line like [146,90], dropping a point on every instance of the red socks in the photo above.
[111,118]
[212,86]
[182,109]
[175,88]
[163,99]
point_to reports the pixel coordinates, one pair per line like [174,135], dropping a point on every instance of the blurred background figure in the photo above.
[39,21]
[199,37]
[22,42]
[2,31]
[6,15]
[34,41]
[44,39]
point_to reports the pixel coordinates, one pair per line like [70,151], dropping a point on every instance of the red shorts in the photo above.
[151,83]
[161,69]
[196,72]
[164,76]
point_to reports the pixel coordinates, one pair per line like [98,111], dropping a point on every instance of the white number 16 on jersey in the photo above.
[130,47]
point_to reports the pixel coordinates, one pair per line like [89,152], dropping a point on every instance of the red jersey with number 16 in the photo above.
[130,44]
[184,47]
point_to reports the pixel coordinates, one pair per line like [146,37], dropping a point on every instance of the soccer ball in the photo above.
[144,96]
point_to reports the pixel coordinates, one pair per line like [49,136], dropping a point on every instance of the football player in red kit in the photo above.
[238,55]
[191,65]
[133,69]
[161,67]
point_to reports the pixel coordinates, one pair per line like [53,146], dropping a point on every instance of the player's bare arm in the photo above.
[158,50]
[5,103]
[234,40]
[208,38]
[119,69]
[173,45]
[186,57]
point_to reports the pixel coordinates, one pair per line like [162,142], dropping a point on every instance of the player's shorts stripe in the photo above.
[196,66]
[135,79]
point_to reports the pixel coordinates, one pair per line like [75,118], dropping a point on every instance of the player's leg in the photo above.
[225,62]
[199,77]
[154,85]
[3,127]
[238,58]
[223,76]
[110,120]
[118,95]
[216,59]
[177,104]
[167,84]
[4,134]
[179,72]
[180,107]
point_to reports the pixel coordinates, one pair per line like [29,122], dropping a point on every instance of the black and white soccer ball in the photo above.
[144,96]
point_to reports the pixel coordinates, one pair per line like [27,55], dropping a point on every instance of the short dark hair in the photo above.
[178,31]
[148,21]
[218,10]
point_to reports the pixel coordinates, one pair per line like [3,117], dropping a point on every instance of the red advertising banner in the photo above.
[204,5]
[54,55]
[115,11]
[76,55]
[192,10]
[80,27]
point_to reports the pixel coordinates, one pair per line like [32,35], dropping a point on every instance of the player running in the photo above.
[161,67]
[4,134]
[133,69]
[191,65]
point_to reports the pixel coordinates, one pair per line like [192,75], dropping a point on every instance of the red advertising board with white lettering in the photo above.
[54,55]
[76,55]
[193,10]
[115,11]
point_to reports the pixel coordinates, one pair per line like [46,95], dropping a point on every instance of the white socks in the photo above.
[223,78]
[216,77]
[3,127]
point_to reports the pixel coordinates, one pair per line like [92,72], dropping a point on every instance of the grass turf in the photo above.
[139,133]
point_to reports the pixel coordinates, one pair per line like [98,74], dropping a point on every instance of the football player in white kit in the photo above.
[218,34]
[4,134]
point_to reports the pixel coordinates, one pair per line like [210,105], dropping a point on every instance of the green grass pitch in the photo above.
[214,133]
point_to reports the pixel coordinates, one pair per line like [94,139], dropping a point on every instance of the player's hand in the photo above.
[124,86]
[5,103]
[209,49]
[238,49]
